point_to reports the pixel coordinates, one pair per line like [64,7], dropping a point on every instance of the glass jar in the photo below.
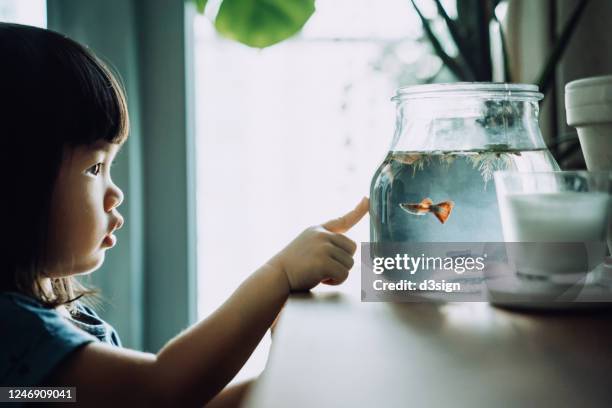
[436,184]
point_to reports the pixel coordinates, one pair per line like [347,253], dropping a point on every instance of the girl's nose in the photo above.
[113,199]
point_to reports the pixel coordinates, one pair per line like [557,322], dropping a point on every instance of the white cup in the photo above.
[554,223]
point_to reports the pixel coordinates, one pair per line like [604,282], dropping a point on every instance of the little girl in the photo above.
[63,118]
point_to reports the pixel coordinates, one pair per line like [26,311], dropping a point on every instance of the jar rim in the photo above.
[472,89]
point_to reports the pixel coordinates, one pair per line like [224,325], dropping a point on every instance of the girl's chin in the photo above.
[94,263]
[85,267]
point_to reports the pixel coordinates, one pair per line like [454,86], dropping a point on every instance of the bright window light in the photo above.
[290,136]
[29,12]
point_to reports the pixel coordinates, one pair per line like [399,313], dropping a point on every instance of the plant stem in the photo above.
[450,62]
[483,16]
[459,40]
[548,73]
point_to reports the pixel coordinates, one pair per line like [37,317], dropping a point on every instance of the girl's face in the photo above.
[83,211]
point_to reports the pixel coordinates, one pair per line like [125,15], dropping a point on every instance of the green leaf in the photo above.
[261,23]
[200,5]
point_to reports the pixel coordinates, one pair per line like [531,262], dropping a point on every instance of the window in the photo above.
[291,135]
[30,12]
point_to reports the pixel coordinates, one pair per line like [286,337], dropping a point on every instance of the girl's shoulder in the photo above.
[87,319]
[34,340]
[20,311]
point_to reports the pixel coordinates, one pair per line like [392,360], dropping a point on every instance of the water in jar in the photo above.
[464,178]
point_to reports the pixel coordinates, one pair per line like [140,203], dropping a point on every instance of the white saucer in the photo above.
[591,290]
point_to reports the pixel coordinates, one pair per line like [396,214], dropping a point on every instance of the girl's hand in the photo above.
[321,253]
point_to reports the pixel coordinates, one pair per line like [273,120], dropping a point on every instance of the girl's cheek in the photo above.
[78,219]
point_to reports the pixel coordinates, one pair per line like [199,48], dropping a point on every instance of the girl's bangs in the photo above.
[109,118]
[94,101]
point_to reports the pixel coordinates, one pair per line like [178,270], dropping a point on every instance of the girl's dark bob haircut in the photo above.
[54,94]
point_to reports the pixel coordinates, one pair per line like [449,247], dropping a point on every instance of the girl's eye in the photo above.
[95,169]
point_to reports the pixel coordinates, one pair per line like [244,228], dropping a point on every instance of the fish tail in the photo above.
[442,210]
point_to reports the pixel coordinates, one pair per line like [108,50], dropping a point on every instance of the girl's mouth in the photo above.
[110,240]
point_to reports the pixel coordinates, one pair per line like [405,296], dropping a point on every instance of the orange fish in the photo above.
[441,210]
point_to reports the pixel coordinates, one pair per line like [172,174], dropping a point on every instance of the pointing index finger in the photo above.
[346,222]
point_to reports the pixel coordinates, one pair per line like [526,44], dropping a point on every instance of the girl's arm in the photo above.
[193,367]
[231,396]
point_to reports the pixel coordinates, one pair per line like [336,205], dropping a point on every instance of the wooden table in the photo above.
[332,350]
